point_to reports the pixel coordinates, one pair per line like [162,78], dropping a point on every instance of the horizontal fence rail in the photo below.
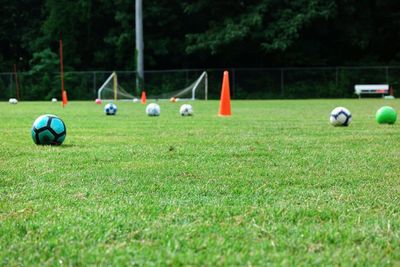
[246,83]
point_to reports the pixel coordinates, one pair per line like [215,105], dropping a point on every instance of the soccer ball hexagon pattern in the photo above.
[110,109]
[340,116]
[153,109]
[48,130]
[186,110]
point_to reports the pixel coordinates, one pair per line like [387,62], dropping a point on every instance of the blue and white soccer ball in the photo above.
[153,109]
[340,116]
[48,130]
[186,110]
[110,109]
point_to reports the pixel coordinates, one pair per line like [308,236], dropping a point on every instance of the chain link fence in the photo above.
[246,83]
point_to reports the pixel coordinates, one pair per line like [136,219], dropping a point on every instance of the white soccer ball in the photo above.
[136,100]
[110,109]
[186,110]
[340,116]
[13,101]
[153,109]
[54,99]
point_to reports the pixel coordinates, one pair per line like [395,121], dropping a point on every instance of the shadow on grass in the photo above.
[66,146]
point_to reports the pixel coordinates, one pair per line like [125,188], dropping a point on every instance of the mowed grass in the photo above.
[274,184]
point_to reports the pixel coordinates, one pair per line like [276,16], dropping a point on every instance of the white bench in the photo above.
[360,89]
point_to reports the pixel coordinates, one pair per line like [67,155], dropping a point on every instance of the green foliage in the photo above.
[41,81]
[100,34]
[5,86]
[275,25]
[44,61]
[19,28]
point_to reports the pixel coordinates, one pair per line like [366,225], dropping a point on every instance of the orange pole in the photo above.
[16,81]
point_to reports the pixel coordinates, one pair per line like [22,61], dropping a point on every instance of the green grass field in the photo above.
[274,184]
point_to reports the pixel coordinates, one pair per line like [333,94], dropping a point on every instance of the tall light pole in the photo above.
[139,46]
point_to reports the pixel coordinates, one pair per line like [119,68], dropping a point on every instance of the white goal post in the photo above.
[112,91]
[198,89]
[194,87]
[205,77]
[104,85]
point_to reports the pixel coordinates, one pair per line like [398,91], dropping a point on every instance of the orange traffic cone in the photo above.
[225,102]
[143,100]
[64,98]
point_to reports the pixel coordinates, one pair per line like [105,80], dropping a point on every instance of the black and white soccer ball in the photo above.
[110,109]
[186,110]
[48,130]
[340,116]
[153,110]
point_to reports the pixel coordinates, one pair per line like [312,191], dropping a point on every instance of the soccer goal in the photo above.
[111,90]
[198,89]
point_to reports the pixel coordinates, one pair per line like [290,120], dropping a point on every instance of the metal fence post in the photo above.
[337,78]
[233,83]
[282,82]
[387,74]
[94,84]
[11,85]
[206,88]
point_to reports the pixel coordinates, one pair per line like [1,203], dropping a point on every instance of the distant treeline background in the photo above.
[203,34]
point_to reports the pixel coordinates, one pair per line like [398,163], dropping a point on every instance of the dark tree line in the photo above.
[99,34]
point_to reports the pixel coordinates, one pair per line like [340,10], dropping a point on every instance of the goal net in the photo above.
[198,89]
[111,90]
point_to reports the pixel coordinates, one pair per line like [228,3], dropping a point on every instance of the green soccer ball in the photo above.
[386,115]
[48,130]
